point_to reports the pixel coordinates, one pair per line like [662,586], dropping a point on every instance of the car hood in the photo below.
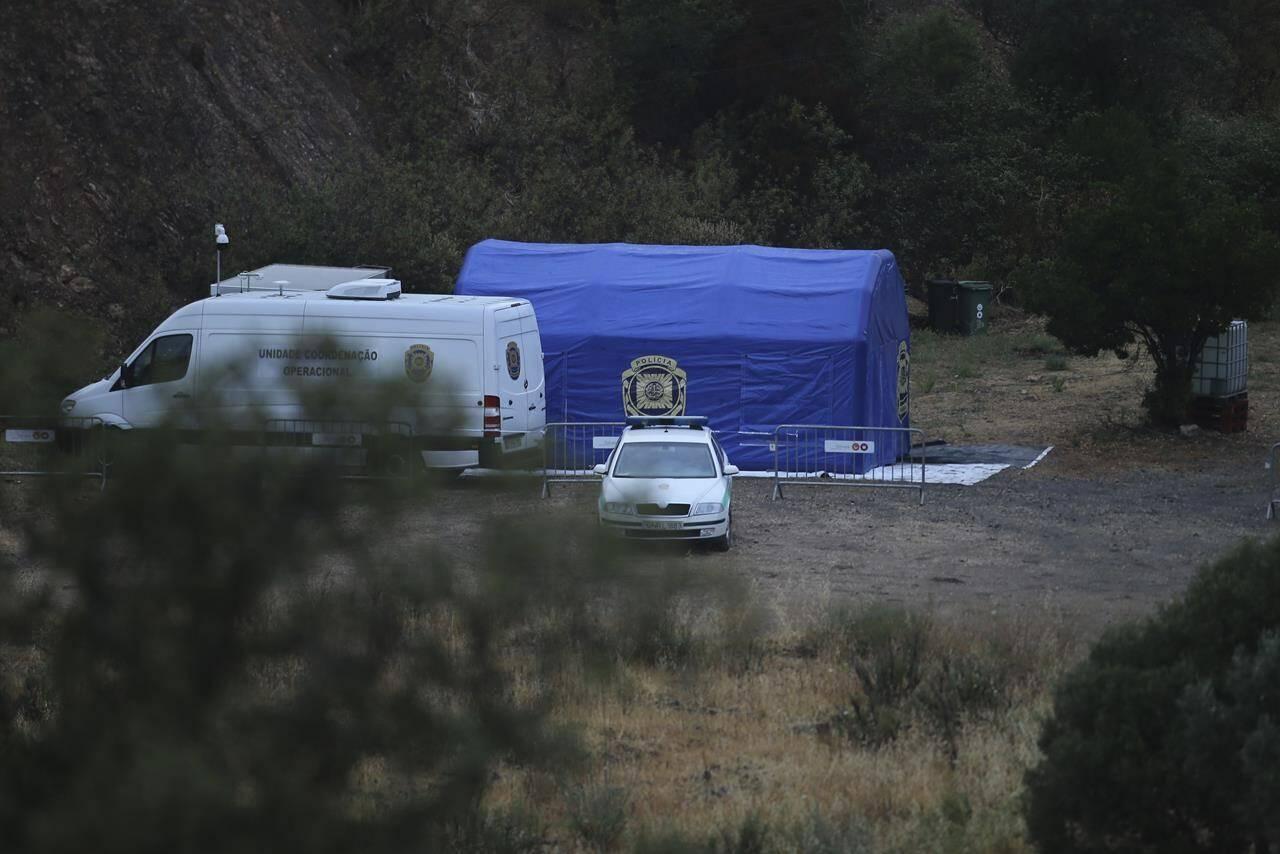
[664,492]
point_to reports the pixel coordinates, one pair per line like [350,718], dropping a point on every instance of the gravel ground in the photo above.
[1114,521]
[1039,543]
[1080,539]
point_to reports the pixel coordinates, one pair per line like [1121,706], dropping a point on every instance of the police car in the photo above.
[668,479]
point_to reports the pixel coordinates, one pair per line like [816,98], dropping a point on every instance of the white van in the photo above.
[246,355]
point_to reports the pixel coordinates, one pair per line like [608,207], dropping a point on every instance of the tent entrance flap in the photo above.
[778,388]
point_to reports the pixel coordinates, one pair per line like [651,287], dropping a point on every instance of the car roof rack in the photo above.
[695,422]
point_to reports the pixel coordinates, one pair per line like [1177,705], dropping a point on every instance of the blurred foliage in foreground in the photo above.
[1168,737]
[52,354]
[230,652]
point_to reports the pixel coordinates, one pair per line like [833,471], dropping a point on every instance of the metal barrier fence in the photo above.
[829,455]
[42,446]
[571,450]
[1273,501]
[362,450]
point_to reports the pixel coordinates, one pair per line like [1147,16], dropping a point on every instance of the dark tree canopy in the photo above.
[963,136]
[1165,739]
[1163,261]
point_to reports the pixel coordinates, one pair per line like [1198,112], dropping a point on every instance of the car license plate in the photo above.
[662,526]
[24,436]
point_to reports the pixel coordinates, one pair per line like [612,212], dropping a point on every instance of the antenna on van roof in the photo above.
[220,240]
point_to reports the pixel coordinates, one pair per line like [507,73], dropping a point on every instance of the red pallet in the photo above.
[1224,414]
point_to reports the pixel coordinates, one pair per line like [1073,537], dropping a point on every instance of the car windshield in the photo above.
[664,459]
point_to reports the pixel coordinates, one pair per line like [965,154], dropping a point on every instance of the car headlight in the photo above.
[67,406]
[620,507]
[708,507]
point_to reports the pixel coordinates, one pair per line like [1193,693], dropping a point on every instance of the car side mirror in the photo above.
[126,374]
[730,471]
[601,468]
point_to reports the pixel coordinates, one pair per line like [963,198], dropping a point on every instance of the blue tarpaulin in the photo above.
[752,337]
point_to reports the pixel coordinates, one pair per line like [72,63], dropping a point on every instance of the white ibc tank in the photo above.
[1223,368]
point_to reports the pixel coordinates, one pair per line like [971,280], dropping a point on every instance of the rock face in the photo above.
[129,126]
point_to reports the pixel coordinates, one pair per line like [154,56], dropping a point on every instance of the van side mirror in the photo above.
[126,375]
[731,470]
[601,468]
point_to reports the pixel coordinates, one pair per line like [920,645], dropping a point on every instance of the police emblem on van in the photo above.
[513,360]
[904,381]
[653,385]
[418,362]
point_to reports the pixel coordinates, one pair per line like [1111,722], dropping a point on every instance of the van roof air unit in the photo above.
[375,289]
[298,277]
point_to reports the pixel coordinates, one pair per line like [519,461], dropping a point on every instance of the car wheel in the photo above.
[723,544]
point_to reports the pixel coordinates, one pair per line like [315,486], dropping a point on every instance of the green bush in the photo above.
[1132,268]
[598,815]
[53,353]
[1165,739]
[227,652]
[1037,344]
[815,833]
[909,675]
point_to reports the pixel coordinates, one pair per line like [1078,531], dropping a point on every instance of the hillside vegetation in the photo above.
[956,134]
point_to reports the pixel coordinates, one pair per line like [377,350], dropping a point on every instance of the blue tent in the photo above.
[752,337]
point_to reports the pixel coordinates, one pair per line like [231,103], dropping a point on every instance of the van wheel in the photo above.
[391,458]
[394,465]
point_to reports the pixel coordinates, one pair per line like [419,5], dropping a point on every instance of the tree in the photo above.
[958,180]
[1164,261]
[1154,56]
[35,376]
[664,49]
[1165,739]
[232,654]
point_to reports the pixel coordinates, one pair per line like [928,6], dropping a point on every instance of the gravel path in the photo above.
[1067,541]
[1045,542]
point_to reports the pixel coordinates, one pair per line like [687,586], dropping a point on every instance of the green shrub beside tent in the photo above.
[1167,738]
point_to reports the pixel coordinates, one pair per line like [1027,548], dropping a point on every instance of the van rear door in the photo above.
[510,358]
[536,398]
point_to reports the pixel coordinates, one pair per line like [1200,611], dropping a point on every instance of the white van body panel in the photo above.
[252,355]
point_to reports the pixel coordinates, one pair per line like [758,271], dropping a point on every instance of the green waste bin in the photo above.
[974,304]
[958,308]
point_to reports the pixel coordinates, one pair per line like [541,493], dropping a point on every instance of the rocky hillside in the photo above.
[126,125]
[961,134]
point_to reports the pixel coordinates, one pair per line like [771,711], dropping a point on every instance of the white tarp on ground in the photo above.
[956,474]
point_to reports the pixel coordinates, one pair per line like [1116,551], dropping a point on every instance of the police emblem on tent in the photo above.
[513,360]
[904,381]
[418,361]
[653,385]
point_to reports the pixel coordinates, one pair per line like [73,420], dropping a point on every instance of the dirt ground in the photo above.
[1042,543]
[1113,521]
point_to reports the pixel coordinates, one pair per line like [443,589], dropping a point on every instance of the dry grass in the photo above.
[740,742]
[1007,387]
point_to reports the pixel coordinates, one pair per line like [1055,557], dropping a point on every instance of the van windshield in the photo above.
[664,459]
